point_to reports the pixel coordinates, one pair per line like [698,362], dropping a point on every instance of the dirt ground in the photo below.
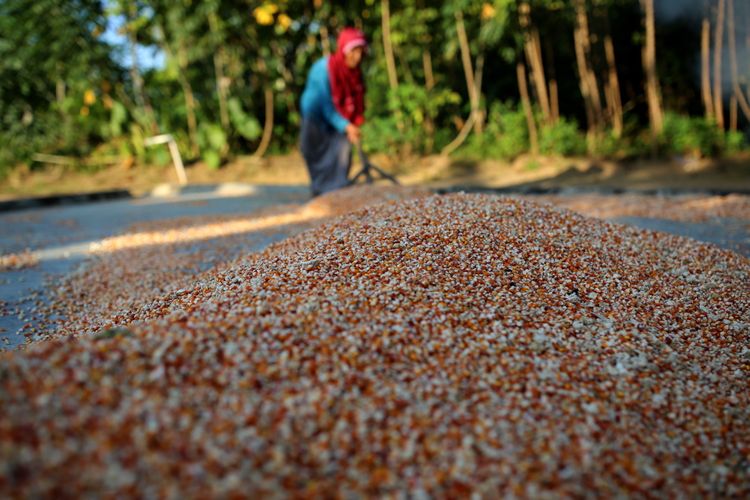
[433,171]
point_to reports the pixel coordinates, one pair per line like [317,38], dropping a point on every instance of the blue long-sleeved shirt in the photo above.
[317,100]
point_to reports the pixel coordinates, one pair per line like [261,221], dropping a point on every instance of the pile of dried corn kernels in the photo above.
[155,258]
[687,208]
[438,346]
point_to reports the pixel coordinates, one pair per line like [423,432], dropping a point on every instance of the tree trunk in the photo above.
[718,41]
[739,95]
[390,61]
[135,75]
[583,81]
[429,84]
[471,84]
[534,57]
[474,115]
[554,101]
[219,64]
[649,66]
[140,95]
[478,76]
[429,76]
[614,100]
[614,103]
[60,93]
[190,104]
[589,85]
[267,125]
[524,91]
[708,102]
[746,10]
[460,138]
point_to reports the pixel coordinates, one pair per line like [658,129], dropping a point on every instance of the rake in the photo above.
[369,171]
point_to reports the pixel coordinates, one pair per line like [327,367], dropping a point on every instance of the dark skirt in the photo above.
[328,156]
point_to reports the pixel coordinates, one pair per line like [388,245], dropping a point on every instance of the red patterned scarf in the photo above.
[347,87]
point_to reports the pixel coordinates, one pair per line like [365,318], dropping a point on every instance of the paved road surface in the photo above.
[61,235]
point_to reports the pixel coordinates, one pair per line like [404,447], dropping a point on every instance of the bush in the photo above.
[505,135]
[212,141]
[734,142]
[414,106]
[563,138]
[685,135]
[608,145]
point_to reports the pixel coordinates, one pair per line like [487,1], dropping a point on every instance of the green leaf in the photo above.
[212,158]
[117,118]
[247,126]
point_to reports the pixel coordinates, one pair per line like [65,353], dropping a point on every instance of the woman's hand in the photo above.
[353,133]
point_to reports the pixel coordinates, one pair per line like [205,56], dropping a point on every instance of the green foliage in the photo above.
[117,119]
[532,165]
[212,141]
[563,138]
[51,61]
[412,111]
[505,135]
[694,136]
[245,125]
[734,142]
[64,90]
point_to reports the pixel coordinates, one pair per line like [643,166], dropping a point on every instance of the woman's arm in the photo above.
[332,116]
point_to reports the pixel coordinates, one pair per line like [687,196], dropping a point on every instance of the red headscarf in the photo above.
[347,87]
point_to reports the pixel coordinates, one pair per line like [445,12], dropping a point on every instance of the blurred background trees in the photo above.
[610,78]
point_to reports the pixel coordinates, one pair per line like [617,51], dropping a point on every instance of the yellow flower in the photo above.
[262,17]
[284,21]
[85,111]
[488,11]
[264,14]
[89,97]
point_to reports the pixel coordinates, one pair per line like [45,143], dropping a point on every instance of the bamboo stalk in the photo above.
[588,73]
[135,75]
[534,58]
[471,86]
[583,81]
[460,138]
[614,87]
[187,91]
[429,76]
[526,102]
[390,62]
[708,102]
[267,125]
[739,95]
[538,72]
[718,41]
[554,101]
[429,84]
[219,63]
[656,117]
[478,76]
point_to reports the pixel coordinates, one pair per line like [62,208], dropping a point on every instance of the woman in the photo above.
[333,106]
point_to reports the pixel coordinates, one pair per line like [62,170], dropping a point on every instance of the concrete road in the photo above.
[60,236]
